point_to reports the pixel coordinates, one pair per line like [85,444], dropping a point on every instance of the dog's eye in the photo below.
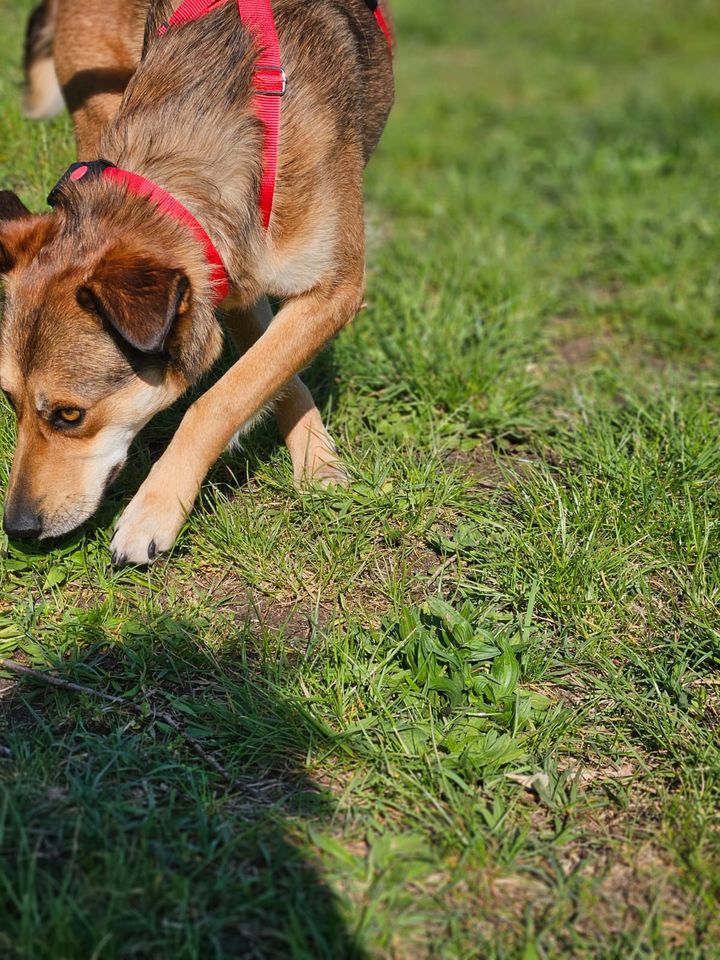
[68,416]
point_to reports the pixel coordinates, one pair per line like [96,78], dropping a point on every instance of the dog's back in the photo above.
[339,38]
[340,47]
[194,86]
[330,47]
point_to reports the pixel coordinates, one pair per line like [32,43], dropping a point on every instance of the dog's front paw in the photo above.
[149,525]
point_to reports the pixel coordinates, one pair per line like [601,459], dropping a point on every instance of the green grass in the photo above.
[471,704]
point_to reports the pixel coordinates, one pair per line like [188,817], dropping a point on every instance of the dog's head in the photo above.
[101,329]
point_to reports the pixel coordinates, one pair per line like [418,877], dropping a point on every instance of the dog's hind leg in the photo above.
[93,74]
[89,76]
[311,448]
[42,97]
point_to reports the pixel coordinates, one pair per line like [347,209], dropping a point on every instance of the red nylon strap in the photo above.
[380,17]
[166,203]
[259,17]
[269,79]
[191,10]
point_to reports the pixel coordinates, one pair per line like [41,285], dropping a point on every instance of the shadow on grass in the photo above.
[117,841]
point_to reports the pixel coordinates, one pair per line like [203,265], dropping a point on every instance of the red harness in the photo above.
[270,85]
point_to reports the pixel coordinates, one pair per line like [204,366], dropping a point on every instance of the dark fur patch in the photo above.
[11,206]
[86,84]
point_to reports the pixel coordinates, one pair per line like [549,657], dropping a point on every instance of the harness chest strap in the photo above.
[269,79]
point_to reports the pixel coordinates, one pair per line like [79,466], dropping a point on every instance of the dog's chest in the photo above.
[297,266]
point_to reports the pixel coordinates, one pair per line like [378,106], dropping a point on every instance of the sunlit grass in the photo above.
[472,699]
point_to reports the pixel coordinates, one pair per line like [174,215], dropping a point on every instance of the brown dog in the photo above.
[109,305]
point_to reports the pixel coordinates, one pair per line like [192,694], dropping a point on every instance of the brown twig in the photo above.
[14,667]
[438,572]
[49,679]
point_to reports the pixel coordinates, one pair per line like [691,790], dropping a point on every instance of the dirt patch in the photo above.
[293,616]
[290,617]
[579,348]
[609,892]
[579,351]
[480,463]
[491,468]
[625,886]
[574,352]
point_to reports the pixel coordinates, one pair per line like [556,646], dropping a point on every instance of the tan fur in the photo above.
[43,97]
[93,74]
[186,121]
[67,476]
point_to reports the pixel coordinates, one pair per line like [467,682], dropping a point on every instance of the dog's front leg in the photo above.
[305,323]
[311,448]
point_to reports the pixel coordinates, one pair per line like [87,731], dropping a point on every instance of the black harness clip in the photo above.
[75,172]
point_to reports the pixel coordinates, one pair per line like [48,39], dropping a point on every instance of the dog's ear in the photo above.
[21,233]
[12,207]
[138,297]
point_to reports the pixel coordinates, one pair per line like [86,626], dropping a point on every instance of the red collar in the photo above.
[165,202]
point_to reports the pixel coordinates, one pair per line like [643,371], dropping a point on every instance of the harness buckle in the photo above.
[274,85]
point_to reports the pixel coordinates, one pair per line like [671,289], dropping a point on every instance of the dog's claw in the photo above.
[119,559]
[147,527]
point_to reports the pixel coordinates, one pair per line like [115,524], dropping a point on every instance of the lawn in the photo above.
[469,707]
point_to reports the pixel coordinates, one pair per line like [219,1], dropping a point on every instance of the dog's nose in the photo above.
[21,521]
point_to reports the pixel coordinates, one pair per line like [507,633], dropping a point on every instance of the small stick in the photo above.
[438,572]
[47,678]
[192,742]
[14,667]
